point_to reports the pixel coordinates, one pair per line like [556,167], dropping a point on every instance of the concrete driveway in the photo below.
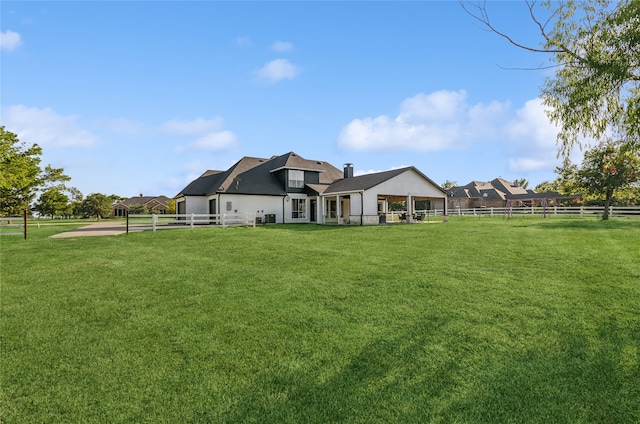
[103,228]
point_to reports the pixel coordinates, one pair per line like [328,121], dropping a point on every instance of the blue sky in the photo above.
[142,97]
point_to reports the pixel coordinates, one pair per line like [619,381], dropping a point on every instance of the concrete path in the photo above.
[103,228]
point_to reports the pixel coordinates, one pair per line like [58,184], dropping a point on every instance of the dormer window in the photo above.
[296,178]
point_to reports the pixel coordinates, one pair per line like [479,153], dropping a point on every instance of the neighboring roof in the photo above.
[508,188]
[368,181]
[143,200]
[497,189]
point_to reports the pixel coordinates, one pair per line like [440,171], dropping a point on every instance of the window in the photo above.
[296,178]
[298,208]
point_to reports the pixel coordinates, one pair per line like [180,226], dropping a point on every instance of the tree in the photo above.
[595,92]
[139,209]
[98,205]
[171,206]
[567,181]
[606,169]
[75,195]
[74,207]
[449,184]
[52,202]
[20,174]
[521,182]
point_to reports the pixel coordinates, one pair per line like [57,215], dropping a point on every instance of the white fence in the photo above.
[155,222]
[578,211]
[13,226]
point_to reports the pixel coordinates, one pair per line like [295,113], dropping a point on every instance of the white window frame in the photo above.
[296,178]
[298,208]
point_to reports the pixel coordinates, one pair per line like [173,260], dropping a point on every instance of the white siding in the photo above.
[407,183]
[197,204]
[260,205]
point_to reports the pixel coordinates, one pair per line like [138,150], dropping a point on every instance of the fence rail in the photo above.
[11,222]
[166,221]
[578,211]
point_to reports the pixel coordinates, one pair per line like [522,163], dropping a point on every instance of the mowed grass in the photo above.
[478,320]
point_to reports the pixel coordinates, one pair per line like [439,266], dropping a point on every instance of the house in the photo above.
[497,193]
[291,189]
[155,204]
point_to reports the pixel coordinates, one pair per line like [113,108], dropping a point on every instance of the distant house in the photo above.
[497,193]
[291,189]
[155,204]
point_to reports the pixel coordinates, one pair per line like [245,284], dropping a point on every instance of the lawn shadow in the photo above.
[587,223]
[309,227]
[588,379]
[418,375]
[404,376]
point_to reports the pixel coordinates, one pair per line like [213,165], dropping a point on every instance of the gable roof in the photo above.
[508,187]
[497,189]
[368,181]
[477,189]
[142,200]
[328,173]
[257,176]
[363,182]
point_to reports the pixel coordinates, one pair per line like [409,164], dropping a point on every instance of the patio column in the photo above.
[409,208]
[338,209]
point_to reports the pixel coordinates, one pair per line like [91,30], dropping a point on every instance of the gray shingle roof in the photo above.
[363,182]
[368,181]
[497,188]
[256,176]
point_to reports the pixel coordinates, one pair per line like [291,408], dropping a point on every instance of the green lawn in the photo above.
[478,320]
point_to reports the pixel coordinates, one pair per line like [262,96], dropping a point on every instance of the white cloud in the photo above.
[532,126]
[210,133]
[282,46]
[531,164]
[445,120]
[10,40]
[196,126]
[277,70]
[215,141]
[531,139]
[426,122]
[45,127]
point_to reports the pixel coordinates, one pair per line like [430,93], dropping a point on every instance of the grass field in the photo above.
[471,321]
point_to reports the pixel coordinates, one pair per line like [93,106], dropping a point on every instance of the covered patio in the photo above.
[416,209]
[368,199]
